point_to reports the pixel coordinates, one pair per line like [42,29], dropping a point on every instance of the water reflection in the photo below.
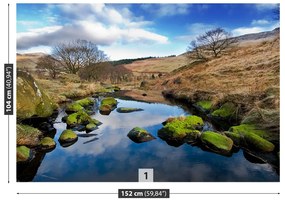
[109,155]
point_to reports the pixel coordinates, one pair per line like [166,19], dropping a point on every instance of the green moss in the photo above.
[128,110]
[258,143]
[243,129]
[23,153]
[74,107]
[47,143]
[253,137]
[80,118]
[227,110]
[236,138]
[205,105]
[27,135]
[216,141]
[108,104]
[182,127]
[31,99]
[67,136]
[85,102]
[140,135]
[91,127]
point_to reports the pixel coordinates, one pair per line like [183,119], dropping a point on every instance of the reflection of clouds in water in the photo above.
[114,157]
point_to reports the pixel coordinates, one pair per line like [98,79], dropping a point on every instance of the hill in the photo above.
[157,65]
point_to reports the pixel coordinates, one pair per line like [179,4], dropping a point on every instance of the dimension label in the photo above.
[143,193]
[8,89]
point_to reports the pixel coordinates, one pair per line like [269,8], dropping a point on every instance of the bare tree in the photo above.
[211,44]
[78,54]
[49,64]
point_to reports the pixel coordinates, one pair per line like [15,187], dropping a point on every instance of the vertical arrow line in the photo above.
[12,85]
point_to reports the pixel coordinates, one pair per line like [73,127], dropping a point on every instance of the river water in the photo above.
[107,154]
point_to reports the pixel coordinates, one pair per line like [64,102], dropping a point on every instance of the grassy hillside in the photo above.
[156,65]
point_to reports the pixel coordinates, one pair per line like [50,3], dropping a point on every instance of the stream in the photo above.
[108,155]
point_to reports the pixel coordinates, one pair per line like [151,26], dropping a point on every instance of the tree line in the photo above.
[83,58]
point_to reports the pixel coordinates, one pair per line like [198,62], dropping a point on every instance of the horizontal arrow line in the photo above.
[170,193]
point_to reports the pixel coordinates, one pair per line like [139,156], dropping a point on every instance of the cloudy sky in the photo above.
[134,30]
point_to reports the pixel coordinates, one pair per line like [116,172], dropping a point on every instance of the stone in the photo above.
[28,136]
[128,110]
[31,99]
[216,142]
[253,137]
[140,135]
[107,105]
[181,129]
[23,154]
[226,111]
[67,138]
[47,144]
[80,118]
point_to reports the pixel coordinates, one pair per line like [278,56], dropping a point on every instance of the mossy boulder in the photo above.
[80,118]
[236,138]
[128,110]
[90,127]
[79,105]
[73,107]
[24,154]
[252,137]
[140,135]
[85,102]
[204,106]
[181,129]
[31,99]
[67,138]
[107,105]
[266,118]
[216,142]
[226,111]
[47,144]
[28,136]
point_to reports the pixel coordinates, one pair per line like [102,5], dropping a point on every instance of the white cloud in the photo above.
[254,29]
[162,10]
[98,23]
[260,22]
[264,7]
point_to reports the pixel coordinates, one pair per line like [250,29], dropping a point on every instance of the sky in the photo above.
[135,30]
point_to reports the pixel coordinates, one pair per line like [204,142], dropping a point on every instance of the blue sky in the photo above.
[134,30]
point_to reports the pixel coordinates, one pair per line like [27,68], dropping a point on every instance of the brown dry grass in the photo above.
[68,86]
[155,65]
[248,71]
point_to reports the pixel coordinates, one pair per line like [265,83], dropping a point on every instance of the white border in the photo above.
[9,191]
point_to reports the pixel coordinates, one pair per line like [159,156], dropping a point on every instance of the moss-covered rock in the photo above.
[236,138]
[90,127]
[73,107]
[128,110]
[226,111]
[23,154]
[31,99]
[80,118]
[216,142]
[107,105]
[266,118]
[140,135]
[28,136]
[204,106]
[253,137]
[47,144]
[85,102]
[67,138]
[181,129]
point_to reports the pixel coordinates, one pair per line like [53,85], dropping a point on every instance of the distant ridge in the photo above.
[257,36]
